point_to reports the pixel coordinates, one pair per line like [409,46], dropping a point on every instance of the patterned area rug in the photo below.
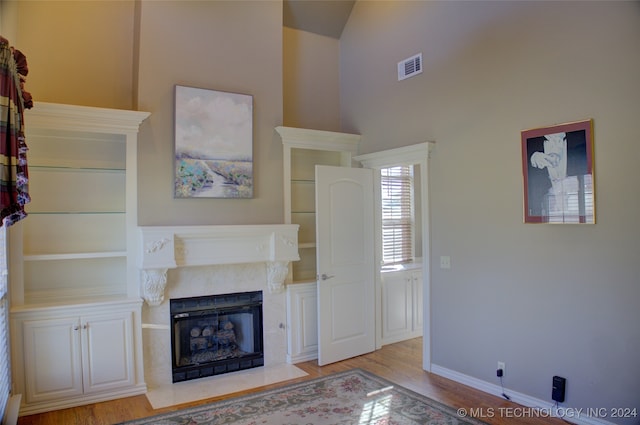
[352,397]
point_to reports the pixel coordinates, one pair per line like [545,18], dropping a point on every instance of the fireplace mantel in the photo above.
[169,247]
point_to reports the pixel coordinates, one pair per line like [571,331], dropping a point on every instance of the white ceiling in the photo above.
[325,17]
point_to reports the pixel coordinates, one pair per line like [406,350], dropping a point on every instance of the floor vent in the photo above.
[410,67]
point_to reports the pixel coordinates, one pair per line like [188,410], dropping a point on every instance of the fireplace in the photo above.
[216,334]
[177,262]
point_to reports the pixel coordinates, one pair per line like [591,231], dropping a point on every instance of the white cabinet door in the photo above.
[65,357]
[401,306]
[302,318]
[396,307]
[74,356]
[53,366]
[107,351]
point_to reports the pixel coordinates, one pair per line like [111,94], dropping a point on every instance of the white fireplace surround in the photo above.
[208,260]
[169,247]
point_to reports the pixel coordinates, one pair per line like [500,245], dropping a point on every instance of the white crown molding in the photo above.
[55,116]
[397,156]
[319,139]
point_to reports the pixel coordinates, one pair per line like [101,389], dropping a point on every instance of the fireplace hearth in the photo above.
[216,334]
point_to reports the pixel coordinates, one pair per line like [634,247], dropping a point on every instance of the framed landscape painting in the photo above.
[213,144]
[557,167]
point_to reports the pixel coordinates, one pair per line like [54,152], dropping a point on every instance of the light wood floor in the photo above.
[400,363]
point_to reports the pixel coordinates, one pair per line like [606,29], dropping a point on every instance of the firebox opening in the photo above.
[216,334]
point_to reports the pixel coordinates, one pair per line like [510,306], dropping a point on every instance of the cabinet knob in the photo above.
[85,326]
[75,328]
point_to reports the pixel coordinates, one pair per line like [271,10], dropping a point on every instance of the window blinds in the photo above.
[5,366]
[397,214]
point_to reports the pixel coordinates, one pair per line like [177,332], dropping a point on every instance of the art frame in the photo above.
[558,173]
[213,136]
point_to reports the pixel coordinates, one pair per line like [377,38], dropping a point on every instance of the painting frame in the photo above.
[213,144]
[558,173]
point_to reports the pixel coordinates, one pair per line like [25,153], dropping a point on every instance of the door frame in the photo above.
[408,155]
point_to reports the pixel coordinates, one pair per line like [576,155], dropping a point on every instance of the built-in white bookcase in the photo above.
[78,242]
[75,295]
[303,149]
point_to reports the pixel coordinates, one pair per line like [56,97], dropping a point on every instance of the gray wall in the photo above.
[545,299]
[311,80]
[78,52]
[221,45]
[126,54]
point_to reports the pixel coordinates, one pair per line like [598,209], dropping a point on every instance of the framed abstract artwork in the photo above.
[213,144]
[557,167]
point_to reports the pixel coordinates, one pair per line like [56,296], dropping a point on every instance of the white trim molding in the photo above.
[577,416]
[55,116]
[319,139]
[397,156]
[169,247]
[406,155]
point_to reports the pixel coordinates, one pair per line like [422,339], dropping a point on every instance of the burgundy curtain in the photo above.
[14,188]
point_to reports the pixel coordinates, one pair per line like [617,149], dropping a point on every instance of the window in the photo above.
[5,366]
[397,214]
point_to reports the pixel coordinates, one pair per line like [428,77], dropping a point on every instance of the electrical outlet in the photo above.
[501,365]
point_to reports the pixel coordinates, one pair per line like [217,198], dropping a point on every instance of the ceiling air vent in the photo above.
[410,67]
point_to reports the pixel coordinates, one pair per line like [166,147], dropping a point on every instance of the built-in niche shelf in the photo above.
[303,149]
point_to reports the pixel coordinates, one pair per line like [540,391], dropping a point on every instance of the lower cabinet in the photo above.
[77,355]
[401,311]
[401,305]
[302,319]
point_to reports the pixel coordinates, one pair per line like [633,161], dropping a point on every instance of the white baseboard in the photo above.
[304,357]
[12,410]
[543,408]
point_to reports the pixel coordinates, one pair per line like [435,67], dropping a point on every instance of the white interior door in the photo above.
[345,252]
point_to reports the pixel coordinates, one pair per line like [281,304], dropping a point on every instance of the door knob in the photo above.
[324,276]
